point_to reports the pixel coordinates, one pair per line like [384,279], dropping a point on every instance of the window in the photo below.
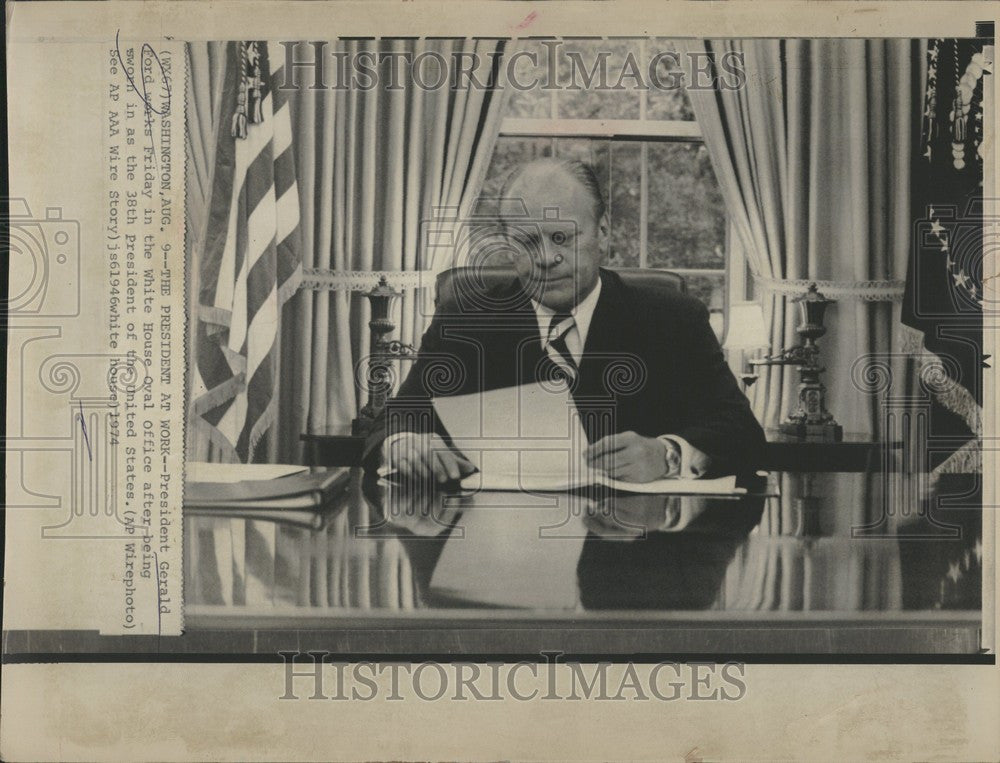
[664,204]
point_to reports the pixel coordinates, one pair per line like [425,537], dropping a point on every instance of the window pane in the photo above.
[602,63]
[532,102]
[687,220]
[598,80]
[623,211]
[667,97]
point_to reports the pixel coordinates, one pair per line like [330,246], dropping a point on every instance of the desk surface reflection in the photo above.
[799,549]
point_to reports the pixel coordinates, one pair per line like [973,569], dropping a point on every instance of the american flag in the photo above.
[250,264]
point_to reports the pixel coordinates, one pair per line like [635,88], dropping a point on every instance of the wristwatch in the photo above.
[672,457]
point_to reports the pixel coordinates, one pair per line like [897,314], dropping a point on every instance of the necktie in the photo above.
[559,326]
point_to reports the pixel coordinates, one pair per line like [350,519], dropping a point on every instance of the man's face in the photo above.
[560,244]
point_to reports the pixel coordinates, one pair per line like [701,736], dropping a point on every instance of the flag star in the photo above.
[933,53]
[978,549]
[949,262]
[986,361]
[960,278]
[927,153]
[944,245]
[954,572]
[936,228]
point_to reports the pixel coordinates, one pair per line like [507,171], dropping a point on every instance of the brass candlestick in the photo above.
[384,352]
[810,420]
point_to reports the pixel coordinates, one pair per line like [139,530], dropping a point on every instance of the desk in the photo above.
[781,570]
[854,453]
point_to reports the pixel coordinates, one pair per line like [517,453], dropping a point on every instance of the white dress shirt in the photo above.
[694,463]
[576,337]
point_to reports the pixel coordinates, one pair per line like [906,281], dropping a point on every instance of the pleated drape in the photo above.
[813,157]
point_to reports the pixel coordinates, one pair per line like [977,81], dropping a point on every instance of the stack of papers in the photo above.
[495,480]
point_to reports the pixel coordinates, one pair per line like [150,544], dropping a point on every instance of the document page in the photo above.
[519,438]
[530,438]
[718,486]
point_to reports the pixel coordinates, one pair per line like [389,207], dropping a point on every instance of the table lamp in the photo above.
[810,420]
[383,352]
[745,330]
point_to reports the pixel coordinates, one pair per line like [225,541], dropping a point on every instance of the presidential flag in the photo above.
[251,262]
[944,286]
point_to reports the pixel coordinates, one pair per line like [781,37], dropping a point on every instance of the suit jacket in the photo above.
[651,364]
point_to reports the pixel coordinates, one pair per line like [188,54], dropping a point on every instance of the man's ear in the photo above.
[603,233]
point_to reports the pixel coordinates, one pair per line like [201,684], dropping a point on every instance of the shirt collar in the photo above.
[582,314]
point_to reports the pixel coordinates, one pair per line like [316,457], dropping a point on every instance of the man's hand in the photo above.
[629,457]
[427,455]
[412,505]
[626,517]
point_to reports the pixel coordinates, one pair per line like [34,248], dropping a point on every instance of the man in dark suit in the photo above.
[648,377]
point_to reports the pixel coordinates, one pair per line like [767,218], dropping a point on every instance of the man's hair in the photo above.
[580,171]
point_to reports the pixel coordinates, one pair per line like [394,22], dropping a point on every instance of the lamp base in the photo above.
[362,425]
[829,431]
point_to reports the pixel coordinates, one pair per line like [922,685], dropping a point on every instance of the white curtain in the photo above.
[813,157]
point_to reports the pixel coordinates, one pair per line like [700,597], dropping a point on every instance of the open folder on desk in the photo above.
[530,438]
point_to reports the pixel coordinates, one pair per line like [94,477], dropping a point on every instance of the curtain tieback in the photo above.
[865,291]
[321,279]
